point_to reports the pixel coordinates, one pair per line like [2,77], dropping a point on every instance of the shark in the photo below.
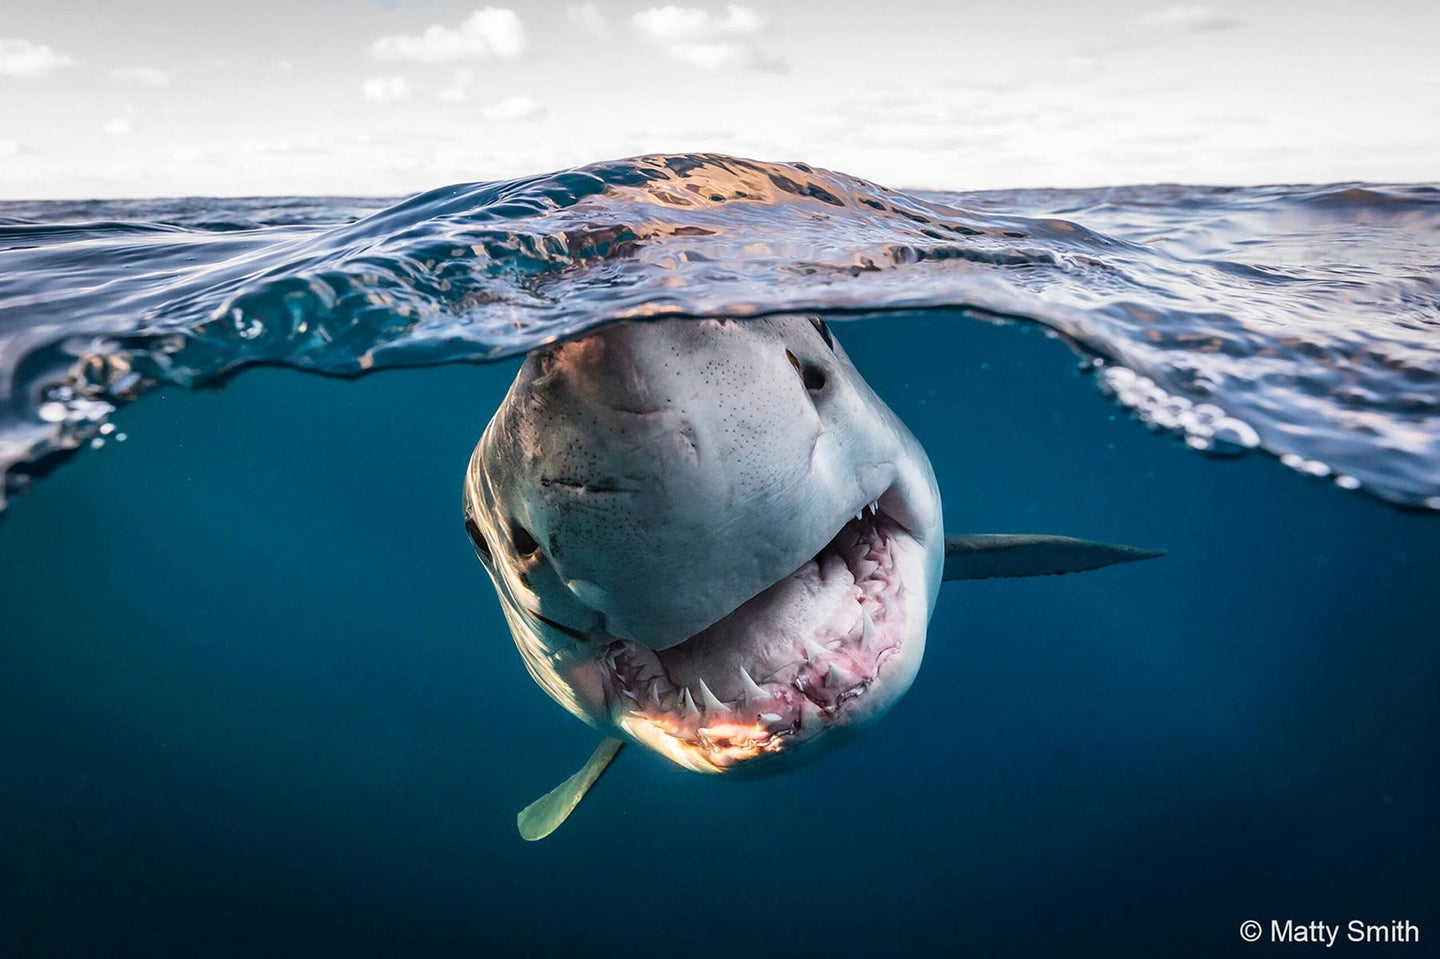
[712,539]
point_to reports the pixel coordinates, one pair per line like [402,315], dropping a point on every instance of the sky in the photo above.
[142,98]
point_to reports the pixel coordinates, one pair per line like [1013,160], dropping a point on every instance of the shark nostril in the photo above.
[811,375]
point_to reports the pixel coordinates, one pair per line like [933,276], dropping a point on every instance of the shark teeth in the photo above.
[830,663]
[712,705]
[869,633]
[813,650]
[753,692]
[837,676]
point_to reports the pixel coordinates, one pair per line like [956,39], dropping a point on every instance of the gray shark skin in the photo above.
[711,538]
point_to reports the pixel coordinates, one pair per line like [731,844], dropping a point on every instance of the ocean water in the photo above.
[257,697]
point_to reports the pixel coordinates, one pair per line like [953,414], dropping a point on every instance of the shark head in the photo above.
[709,537]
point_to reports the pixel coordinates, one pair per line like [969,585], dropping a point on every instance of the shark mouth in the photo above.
[788,664]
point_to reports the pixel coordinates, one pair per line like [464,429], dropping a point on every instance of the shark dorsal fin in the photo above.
[544,815]
[991,555]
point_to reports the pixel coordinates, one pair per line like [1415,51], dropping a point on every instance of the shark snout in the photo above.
[612,371]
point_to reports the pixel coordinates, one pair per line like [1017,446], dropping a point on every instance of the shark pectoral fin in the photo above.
[987,556]
[544,815]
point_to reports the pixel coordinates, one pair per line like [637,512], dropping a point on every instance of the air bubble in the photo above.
[1301,465]
[1237,433]
[1205,426]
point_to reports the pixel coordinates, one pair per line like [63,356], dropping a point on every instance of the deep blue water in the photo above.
[258,698]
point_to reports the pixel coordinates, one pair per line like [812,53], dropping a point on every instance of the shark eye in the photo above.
[824,332]
[477,537]
[525,544]
[811,375]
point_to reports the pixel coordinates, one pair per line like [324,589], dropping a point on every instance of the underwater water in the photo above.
[258,697]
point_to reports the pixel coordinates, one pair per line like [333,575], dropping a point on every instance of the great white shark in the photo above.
[712,538]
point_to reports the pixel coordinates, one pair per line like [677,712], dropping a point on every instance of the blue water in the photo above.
[257,696]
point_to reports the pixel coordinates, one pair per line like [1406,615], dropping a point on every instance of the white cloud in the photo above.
[672,24]
[118,127]
[387,89]
[21,58]
[515,108]
[284,67]
[588,17]
[9,148]
[708,40]
[493,31]
[145,76]
[1187,18]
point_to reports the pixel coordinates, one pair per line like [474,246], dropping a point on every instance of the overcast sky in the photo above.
[184,97]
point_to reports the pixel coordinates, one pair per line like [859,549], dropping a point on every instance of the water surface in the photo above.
[1304,320]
